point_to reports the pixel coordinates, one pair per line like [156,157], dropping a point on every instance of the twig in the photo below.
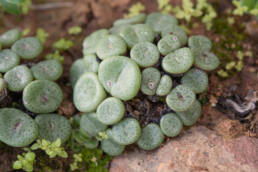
[51,5]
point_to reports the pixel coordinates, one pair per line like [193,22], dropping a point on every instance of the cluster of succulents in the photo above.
[149,55]
[40,94]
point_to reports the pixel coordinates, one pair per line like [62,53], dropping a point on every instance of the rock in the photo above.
[197,149]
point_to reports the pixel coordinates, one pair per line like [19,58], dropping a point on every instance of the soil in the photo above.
[95,14]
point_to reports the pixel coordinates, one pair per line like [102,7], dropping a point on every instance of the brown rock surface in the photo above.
[198,149]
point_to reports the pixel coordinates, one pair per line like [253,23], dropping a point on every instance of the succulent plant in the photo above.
[180,98]
[47,70]
[178,61]
[151,137]
[90,126]
[165,85]
[195,79]
[110,147]
[27,48]
[134,34]
[52,127]
[10,37]
[18,78]
[42,96]
[168,44]
[150,80]
[90,43]
[110,111]
[190,116]
[88,63]
[206,60]
[17,128]
[145,54]
[120,76]
[126,132]
[90,143]
[88,88]
[171,125]
[8,60]
[199,43]
[177,31]
[158,21]
[133,20]
[111,45]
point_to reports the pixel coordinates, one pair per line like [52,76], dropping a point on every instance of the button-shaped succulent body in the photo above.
[47,70]
[178,61]
[88,92]
[111,45]
[90,42]
[126,132]
[168,44]
[110,111]
[151,137]
[42,96]
[18,78]
[90,125]
[88,63]
[111,148]
[180,98]
[10,37]
[52,127]
[90,143]
[206,60]
[199,43]
[177,31]
[27,48]
[17,128]
[120,76]
[150,80]
[165,85]
[140,18]
[195,79]
[115,30]
[8,60]
[159,20]
[171,125]
[137,33]
[145,54]
[192,114]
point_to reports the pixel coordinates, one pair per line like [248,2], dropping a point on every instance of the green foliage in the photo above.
[75,30]
[16,6]
[63,44]
[42,35]
[245,6]
[25,161]
[164,6]
[25,32]
[52,149]
[56,55]
[201,9]
[76,163]
[135,10]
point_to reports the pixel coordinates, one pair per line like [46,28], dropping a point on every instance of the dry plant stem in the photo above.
[246,107]
[52,5]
